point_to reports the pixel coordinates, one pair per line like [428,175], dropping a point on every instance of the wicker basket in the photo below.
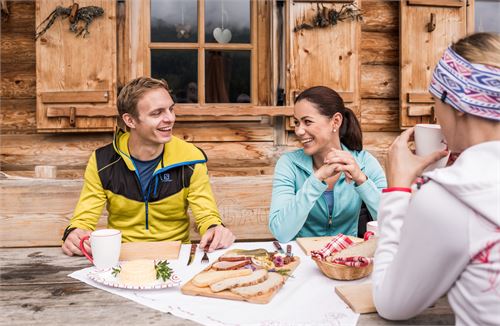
[343,272]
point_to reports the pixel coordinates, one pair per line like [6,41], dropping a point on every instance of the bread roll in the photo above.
[366,249]
[254,278]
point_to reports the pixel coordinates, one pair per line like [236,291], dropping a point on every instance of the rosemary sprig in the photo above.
[163,271]
[283,272]
[116,271]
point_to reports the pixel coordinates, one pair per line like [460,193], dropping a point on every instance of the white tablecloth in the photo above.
[308,298]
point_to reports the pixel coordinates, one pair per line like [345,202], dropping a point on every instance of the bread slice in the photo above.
[273,283]
[204,279]
[366,249]
[230,283]
[228,265]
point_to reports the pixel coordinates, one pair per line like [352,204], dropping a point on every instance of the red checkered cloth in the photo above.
[355,261]
[338,243]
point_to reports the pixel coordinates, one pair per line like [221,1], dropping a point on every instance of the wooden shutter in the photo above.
[427,28]
[323,56]
[76,76]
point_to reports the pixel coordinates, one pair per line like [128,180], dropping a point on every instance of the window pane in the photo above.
[180,69]
[231,17]
[486,16]
[227,76]
[174,21]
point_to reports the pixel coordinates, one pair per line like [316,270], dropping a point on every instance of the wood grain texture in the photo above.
[190,289]
[35,288]
[358,297]
[17,47]
[379,48]
[17,116]
[420,50]
[323,56]
[66,63]
[379,115]
[380,16]
[41,208]
[150,250]
[379,81]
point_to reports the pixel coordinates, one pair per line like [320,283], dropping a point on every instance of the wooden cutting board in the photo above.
[358,297]
[316,243]
[150,250]
[190,289]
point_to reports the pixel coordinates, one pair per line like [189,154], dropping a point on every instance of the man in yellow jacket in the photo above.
[147,178]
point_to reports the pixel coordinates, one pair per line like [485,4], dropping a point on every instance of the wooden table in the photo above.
[35,288]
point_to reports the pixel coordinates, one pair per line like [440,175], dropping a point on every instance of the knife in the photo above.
[278,246]
[191,254]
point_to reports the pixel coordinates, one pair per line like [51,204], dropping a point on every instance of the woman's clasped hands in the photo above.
[337,161]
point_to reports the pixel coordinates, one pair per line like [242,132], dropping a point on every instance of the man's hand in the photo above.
[218,237]
[71,245]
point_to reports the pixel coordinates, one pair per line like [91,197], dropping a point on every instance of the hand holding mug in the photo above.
[71,245]
[106,245]
[403,167]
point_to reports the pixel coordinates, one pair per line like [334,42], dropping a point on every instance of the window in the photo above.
[486,16]
[205,50]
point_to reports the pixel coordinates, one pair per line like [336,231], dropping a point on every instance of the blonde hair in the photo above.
[483,48]
[131,93]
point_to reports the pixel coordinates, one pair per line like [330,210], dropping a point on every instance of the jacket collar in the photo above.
[175,152]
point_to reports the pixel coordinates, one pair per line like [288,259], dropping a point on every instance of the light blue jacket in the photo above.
[298,208]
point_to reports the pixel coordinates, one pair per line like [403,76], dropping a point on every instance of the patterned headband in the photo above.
[468,87]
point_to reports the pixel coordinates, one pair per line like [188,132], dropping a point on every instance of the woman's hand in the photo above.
[403,167]
[347,164]
[326,171]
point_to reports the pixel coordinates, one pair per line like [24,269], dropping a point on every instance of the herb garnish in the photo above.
[163,271]
[116,271]
[283,272]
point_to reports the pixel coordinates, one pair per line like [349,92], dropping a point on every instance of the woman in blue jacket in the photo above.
[319,190]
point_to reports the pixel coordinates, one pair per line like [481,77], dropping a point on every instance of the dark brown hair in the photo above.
[328,102]
[131,93]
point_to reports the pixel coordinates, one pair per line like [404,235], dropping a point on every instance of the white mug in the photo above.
[106,246]
[372,226]
[429,139]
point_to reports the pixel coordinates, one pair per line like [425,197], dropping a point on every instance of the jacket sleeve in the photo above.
[422,249]
[201,199]
[371,189]
[289,210]
[92,199]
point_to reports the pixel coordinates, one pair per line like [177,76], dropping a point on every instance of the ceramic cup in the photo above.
[429,139]
[106,245]
[372,226]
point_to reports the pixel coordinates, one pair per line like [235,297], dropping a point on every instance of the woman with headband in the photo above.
[445,237]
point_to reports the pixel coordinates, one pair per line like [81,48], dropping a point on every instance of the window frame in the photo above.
[201,46]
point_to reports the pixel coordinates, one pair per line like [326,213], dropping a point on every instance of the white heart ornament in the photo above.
[222,35]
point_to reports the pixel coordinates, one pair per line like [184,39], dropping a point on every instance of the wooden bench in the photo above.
[35,212]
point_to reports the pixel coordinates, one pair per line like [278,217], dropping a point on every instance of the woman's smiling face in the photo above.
[314,130]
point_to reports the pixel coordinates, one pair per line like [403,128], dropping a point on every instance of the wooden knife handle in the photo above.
[193,248]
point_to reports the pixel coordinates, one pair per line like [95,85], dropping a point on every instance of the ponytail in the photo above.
[350,131]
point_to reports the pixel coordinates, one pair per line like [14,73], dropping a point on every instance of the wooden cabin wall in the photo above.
[233,147]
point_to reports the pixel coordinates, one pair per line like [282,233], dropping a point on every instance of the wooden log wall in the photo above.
[233,148]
